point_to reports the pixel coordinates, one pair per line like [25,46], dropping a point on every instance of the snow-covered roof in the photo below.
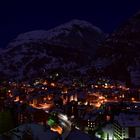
[78,135]
[127,120]
[36,130]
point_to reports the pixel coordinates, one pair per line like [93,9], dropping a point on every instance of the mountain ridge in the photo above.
[122,50]
[66,49]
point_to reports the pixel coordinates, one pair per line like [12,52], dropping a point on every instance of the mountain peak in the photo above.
[63,30]
[81,23]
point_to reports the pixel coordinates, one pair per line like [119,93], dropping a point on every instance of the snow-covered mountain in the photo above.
[76,31]
[64,49]
[119,55]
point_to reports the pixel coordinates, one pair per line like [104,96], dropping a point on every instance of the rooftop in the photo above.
[128,120]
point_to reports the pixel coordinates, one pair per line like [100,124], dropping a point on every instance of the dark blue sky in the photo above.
[25,15]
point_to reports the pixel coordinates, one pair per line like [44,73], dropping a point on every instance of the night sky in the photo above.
[22,16]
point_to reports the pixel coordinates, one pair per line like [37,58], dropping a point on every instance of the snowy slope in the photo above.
[64,49]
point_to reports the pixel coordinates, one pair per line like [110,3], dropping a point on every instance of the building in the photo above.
[91,121]
[126,126]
